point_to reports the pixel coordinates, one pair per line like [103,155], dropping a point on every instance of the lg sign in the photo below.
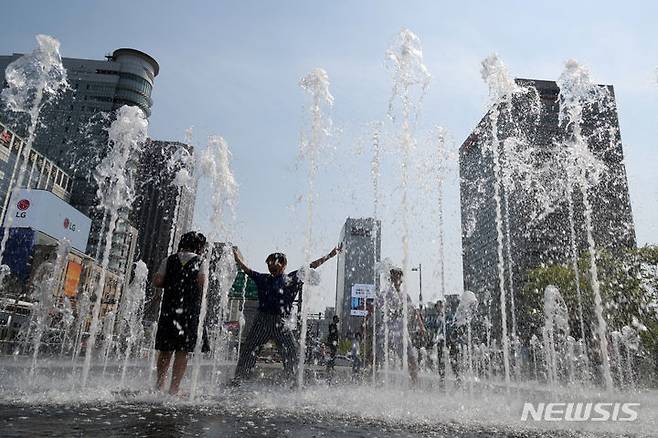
[68,224]
[22,206]
[43,211]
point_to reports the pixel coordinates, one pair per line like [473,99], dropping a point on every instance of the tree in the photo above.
[629,290]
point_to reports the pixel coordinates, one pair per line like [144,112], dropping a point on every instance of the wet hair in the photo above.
[277,257]
[192,241]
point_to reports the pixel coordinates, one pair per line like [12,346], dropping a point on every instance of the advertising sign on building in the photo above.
[41,210]
[72,278]
[361,293]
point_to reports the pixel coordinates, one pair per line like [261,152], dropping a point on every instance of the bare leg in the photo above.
[164,357]
[180,365]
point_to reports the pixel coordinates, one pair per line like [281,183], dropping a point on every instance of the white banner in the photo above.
[41,210]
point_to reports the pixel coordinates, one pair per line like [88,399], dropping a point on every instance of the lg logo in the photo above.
[22,206]
[68,224]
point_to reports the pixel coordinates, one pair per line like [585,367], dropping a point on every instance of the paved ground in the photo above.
[161,420]
[52,403]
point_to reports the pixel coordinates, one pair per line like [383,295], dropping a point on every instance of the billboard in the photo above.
[72,278]
[361,293]
[41,210]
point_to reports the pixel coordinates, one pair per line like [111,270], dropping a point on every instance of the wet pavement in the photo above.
[51,403]
[149,420]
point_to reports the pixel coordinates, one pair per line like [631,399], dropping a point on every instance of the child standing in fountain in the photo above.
[182,278]
[276,293]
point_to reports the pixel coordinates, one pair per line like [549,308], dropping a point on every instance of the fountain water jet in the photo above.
[32,80]
[631,340]
[133,311]
[108,338]
[214,164]
[181,164]
[502,91]
[67,321]
[375,173]
[577,94]
[556,327]
[405,62]
[45,284]
[316,84]
[82,308]
[464,315]
[440,174]
[115,179]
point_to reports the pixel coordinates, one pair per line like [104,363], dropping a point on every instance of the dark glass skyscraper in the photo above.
[534,233]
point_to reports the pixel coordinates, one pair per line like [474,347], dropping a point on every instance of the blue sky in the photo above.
[231,68]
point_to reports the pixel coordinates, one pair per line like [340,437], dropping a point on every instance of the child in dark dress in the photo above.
[182,278]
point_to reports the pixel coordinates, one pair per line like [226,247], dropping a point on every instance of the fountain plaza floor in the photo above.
[50,404]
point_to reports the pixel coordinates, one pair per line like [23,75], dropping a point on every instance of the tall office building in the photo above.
[73,132]
[162,212]
[361,239]
[536,239]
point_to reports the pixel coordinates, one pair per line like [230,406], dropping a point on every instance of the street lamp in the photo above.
[419,268]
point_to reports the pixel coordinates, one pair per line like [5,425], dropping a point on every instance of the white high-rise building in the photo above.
[361,239]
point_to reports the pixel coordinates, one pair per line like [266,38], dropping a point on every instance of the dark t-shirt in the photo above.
[276,293]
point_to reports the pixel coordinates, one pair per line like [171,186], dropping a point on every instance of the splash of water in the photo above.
[133,309]
[181,164]
[242,321]
[510,160]
[501,90]
[631,340]
[32,80]
[68,318]
[316,84]
[464,315]
[82,310]
[616,358]
[108,337]
[440,158]
[46,283]
[214,165]
[556,183]
[382,268]
[578,94]
[556,326]
[225,274]
[535,345]
[375,174]
[115,179]
[404,59]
